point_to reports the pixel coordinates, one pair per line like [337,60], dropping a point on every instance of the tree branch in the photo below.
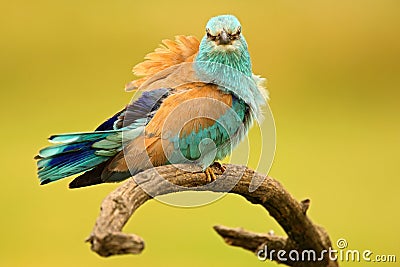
[107,238]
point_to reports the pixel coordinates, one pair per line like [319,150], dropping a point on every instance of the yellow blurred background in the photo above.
[333,70]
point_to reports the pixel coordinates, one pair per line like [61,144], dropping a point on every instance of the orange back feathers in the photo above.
[170,53]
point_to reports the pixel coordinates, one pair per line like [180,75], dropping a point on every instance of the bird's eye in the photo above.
[210,36]
[236,35]
[238,31]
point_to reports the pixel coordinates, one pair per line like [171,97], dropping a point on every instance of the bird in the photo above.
[196,102]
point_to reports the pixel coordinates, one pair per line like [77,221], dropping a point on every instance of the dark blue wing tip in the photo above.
[109,124]
[45,181]
[51,137]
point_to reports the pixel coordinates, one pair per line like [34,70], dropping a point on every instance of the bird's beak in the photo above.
[224,38]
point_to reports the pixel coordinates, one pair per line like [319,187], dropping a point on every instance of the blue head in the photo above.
[224,43]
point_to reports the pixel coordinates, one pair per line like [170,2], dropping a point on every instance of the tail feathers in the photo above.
[79,137]
[89,178]
[67,165]
[51,151]
[76,154]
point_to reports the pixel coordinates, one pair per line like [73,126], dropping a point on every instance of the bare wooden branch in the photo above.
[107,238]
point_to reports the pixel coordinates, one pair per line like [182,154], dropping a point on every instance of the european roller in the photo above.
[197,102]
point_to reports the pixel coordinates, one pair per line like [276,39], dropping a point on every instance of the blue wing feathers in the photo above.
[79,137]
[145,106]
[74,153]
[109,124]
[70,159]
[61,149]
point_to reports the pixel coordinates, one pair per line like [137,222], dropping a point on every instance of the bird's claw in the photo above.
[220,166]
[210,174]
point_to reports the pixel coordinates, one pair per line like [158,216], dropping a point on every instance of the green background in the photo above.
[333,74]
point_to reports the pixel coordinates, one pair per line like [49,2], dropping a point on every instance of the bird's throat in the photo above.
[236,57]
[228,59]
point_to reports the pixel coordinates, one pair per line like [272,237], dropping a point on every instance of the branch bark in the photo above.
[108,239]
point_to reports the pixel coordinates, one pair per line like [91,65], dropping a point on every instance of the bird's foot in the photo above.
[210,174]
[219,166]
